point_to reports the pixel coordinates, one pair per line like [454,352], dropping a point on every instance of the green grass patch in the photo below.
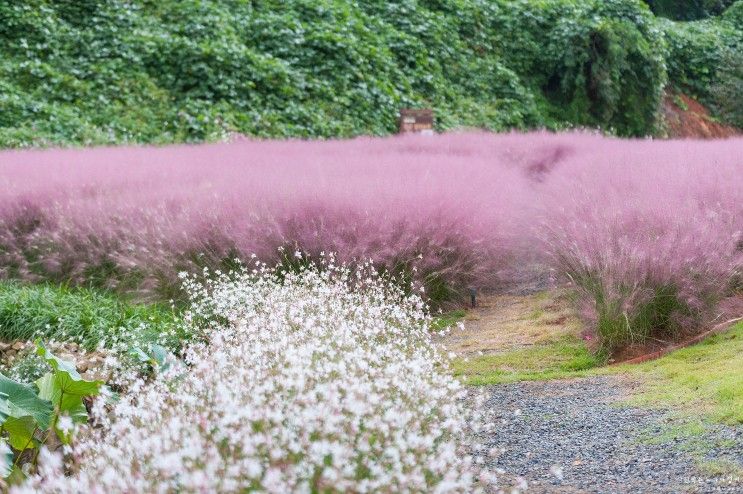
[536,314]
[706,378]
[87,317]
[448,319]
[703,380]
[720,468]
[696,436]
[561,358]
[688,432]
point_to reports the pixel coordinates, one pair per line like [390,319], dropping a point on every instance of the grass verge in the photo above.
[705,379]
[702,384]
[564,357]
[87,317]
[702,380]
[448,319]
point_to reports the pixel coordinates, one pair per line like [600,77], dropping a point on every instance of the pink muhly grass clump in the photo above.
[132,218]
[625,220]
[650,234]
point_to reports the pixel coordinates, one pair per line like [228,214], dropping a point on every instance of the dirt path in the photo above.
[506,322]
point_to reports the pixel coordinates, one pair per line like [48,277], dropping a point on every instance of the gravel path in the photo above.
[572,437]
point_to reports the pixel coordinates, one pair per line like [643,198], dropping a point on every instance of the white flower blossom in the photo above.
[314,381]
[64,423]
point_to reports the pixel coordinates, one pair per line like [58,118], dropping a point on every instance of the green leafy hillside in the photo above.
[116,71]
[685,10]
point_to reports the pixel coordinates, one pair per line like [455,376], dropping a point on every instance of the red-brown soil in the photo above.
[687,118]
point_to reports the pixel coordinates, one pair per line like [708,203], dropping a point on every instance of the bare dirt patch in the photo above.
[687,118]
[501,323]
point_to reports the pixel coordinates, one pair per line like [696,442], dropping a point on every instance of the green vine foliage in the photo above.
[734,15]
[146,71]
[699,50]
[727,92]
[596,63]
[687,10]
[161,71]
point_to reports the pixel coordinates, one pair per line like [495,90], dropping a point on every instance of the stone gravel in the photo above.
[575,437]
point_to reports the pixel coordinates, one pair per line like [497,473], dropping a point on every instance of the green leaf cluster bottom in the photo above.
[29,419]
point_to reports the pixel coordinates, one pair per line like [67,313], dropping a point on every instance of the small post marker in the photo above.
[416,121]
[473,297]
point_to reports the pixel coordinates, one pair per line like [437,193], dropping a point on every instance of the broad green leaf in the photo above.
[73,406]
[139,354]
[6,459]
[63,429]
[18,400]
[66,378]
[4,407]
[68,403]
[47,388]
[159,357]
[57,363]
[70,386]
[21,432]
[16,476]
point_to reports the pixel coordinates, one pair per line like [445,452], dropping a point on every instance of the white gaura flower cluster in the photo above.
[325,380]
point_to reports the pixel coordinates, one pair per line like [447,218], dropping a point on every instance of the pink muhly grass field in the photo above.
[624,220]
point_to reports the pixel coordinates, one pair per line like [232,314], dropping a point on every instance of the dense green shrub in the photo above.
[734,14]
[686,10]
[728,92]
[117,71]
[596,63]
[173,71]
[697,50]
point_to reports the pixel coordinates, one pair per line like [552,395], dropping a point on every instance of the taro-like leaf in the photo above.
[66,378]
[4,407]
[65,388]
[16,476]
[57,363]
[139,354]
[69,403]
[21,432]
[18,401]
[159,357]
[6,459]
